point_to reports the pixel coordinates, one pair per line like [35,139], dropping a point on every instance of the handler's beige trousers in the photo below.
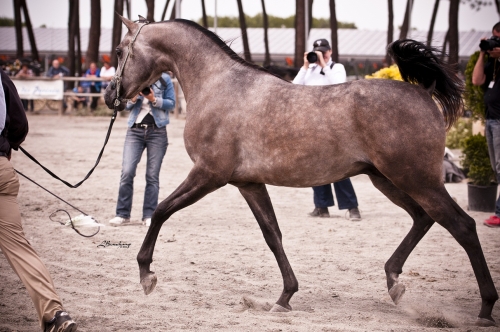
[18,251]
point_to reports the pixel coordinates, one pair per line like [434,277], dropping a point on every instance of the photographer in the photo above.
[147,130]
[319,69]
[487,75]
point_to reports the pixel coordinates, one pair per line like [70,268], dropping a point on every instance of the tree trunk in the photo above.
[127,4]
[300,38]
[406,22]
[267,58]
[117,32]
[151,10]
[334,30]
[94,33]
[497,4]
[204,14]
[31,35]
[71,37]
[244,36]
[165,10]
[309,16]
[172,13]
[390,31]
[78,62]
[433,21]
[453,33]
[19,29]
[445,44]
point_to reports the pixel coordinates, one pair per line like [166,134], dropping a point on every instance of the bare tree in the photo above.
[19,29]
[172,13]
[127,4]
[497,4]
[74,60]
[244,36]
[117,32]
[267,58]
[204,14]
[453,33]
[151,10]
[406,22]
[309,16]
[390,30]
[334,31]
[94,33]
[31,35]
[300,38]
[165,10]
[433,21]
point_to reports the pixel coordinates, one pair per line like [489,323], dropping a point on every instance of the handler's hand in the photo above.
[306,63]
[321,60]
[150,96]
[134,99]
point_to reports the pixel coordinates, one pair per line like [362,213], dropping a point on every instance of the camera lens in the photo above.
[312,57]
[146,91]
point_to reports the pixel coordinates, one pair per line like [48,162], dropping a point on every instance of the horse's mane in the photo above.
[223,46]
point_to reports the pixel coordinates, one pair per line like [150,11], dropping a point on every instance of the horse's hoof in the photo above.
[483,322]
[396,292]
[148,283]
[277,308]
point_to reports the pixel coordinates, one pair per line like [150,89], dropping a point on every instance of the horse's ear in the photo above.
[128,23]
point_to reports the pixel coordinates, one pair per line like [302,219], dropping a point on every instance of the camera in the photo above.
[146,91]
[489,44]
[312,57]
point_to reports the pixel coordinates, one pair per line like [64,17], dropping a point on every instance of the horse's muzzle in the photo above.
[110,98]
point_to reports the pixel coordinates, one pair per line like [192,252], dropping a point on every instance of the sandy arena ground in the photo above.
[215,272]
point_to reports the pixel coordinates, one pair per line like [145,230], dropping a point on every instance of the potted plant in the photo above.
[482,188]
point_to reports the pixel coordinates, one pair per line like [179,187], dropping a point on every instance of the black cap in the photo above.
[321,45]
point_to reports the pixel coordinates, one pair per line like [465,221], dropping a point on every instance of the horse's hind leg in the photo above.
[258,199]
[445,211]
[421,224]
[198,184]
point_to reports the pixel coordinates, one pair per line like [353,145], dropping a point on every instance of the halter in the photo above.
[117,79]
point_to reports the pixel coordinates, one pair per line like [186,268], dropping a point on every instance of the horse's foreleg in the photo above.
[421,224]
[258,199]
[198,184]
[445,211]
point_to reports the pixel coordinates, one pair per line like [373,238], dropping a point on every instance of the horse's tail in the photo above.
[421,64]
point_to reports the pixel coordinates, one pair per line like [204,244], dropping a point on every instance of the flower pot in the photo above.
[482,198]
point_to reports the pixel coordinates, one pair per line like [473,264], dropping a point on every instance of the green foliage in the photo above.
[461,130]
[6,21]
[473,95]
[257,21]
[477,160]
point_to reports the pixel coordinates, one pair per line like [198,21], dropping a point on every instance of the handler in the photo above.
[147,130]
[325,72]
[15,247]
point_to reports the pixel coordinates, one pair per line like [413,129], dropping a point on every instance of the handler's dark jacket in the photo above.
[16,123]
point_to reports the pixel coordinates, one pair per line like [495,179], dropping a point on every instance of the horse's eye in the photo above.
[118,52]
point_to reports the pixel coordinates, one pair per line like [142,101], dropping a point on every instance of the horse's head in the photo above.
[137,64]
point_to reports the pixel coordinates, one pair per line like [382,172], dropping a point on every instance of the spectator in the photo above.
[325,72]
[16,248]
[79,99]
[147,130]
[94,86]
[107,72]
[57,71]
[24,73]
[487,75]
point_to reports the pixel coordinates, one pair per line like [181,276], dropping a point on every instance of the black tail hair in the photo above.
[421,64]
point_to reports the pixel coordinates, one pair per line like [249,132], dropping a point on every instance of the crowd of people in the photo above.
[26,69]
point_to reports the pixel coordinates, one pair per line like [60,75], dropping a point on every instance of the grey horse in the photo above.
[249,128]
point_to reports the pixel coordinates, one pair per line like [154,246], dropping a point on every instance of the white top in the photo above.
[313,76]
[107,72]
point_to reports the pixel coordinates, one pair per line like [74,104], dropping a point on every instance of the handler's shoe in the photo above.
[118,221]
[354,214]
[61,322]
[320,212]
[147,221]
[493,221]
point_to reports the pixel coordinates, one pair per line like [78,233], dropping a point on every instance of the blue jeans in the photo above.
[492,131]
[346,197]
[155,141]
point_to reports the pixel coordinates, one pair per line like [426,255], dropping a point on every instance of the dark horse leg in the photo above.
[258,199]
[421,224]
[199,183]
[439,206]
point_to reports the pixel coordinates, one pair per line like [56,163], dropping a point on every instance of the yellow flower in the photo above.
[390,73]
